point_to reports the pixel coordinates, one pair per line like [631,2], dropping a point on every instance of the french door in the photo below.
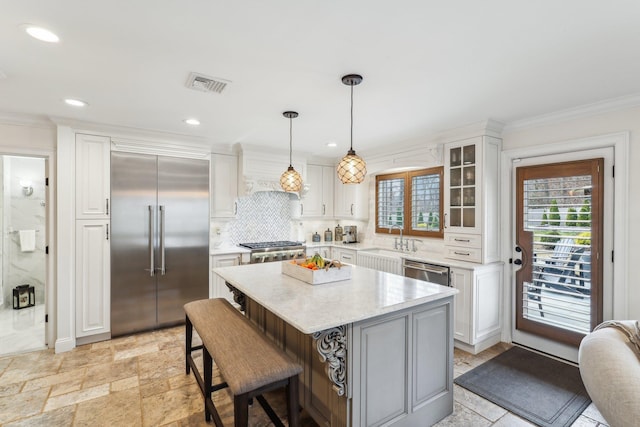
[559,245]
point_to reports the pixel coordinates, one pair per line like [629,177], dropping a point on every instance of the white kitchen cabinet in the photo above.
[93,187]
[344,255]
[351,200]
[224,186]
[217,286]
[471,199]
[93,308]
[477,306]
[318,196]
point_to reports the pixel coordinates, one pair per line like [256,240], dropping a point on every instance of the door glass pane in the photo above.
[469,197]
[455,179]
[469,154]
[455,156]
[469,175]
[456,197]
[469,217]
[456,217]
[558,213]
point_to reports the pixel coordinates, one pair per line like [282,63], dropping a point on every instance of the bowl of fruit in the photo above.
[316,270]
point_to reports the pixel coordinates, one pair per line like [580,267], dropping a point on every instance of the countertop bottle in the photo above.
[328,235]
[315,237]
[338,233]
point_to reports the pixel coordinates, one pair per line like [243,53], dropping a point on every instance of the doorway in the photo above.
[563,227]
[23,270]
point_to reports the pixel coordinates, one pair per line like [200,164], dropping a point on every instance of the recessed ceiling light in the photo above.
[75,102]
[41,34]
[192,122]
[331,144]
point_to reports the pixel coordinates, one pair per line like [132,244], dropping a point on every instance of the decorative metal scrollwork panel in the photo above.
[332,349]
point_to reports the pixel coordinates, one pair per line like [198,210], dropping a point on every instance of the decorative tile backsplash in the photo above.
[263,216]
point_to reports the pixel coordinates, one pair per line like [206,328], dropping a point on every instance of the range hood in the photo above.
[260,169]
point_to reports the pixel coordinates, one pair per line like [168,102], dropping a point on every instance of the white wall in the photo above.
[589,126]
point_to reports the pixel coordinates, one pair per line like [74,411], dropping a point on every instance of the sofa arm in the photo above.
[610,370]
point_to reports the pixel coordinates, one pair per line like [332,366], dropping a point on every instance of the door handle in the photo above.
[162,265]
[522,259]
[152,261]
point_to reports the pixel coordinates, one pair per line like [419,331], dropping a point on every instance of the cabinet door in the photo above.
[328,178]
[312,203]
[463,186]
[224,186]
[92,176]
[218,287]
[93,291]
[347,256]
[351,200]
[461,280]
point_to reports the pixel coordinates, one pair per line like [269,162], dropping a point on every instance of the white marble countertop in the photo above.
[312,308]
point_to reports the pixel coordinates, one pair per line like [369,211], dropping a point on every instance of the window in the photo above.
[411,202]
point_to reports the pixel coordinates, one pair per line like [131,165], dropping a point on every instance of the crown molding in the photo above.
[125,132]
[30,120]
[587,110]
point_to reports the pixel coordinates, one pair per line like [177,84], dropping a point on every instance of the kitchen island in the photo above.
[376,349]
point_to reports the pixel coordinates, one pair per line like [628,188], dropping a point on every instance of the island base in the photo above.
[395,369]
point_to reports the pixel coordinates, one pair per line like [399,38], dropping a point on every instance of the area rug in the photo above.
[542,390]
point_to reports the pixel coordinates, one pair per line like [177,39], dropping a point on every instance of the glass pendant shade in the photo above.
[290,180]
[351,169]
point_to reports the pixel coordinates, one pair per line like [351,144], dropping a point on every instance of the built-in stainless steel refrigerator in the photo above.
[159,239]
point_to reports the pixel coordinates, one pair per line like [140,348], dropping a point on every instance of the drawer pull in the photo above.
[462,240]
[462,253]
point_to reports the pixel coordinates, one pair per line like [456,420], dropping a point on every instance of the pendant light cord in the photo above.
[290,140]
[351,144]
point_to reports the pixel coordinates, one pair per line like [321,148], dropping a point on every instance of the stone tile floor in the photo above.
[139,380]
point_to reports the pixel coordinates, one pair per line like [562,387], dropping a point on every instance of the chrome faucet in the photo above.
[395,241]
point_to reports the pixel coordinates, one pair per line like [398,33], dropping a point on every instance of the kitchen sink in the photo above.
[384,252]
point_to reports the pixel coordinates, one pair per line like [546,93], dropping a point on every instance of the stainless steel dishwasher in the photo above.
[433,273]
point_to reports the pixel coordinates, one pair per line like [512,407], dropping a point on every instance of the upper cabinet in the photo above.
[318,196]
[351,200]
[471,196]
[92,176]
[224,185]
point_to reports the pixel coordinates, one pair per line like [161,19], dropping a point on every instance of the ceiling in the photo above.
[428,66]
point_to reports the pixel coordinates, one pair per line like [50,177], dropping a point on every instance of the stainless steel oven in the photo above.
[274,251]
[433,273]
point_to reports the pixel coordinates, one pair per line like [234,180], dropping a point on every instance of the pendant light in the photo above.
[290,180]
[351,169]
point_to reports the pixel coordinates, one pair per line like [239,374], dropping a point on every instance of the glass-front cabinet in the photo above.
[463,188]
[471,199]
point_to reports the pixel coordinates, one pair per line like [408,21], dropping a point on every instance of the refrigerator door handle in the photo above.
[152,261]
[162,267]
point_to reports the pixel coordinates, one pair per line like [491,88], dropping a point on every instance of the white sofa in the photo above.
[610,369]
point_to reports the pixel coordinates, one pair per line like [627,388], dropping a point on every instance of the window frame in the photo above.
[407,202]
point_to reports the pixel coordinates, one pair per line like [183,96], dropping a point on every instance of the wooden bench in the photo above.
[249,362]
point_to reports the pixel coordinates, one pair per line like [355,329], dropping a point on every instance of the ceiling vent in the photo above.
[206,84]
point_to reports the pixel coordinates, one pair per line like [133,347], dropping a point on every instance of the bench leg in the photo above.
[208,378]
[188,342]
[241,410]
[293,409]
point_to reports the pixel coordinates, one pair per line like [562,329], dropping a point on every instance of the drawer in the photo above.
[463,254]
[463,240]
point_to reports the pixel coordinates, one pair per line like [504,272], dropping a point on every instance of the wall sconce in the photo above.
[27,187]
